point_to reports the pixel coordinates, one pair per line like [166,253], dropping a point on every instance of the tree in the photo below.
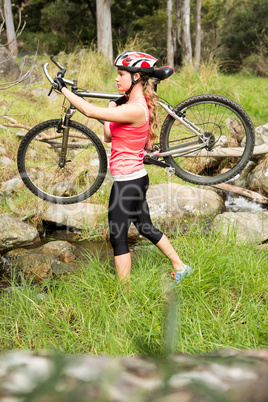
[104,28]
[186,46]
[170,34]
[10,30]
[177,42]
[197,52]
[7,62]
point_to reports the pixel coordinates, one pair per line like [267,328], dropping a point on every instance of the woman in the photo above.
[129,127]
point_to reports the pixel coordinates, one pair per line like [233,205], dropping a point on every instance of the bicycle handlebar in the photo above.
[63,69]
[68,82]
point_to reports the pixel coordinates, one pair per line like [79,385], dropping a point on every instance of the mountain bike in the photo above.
[205,140]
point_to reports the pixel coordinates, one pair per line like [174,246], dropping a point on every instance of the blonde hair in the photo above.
[151,100]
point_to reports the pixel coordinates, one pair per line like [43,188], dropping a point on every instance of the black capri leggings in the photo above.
[128,204]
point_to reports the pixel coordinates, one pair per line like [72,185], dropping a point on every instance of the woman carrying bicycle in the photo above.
[129,127]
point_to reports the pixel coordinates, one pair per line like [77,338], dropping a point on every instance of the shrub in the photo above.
[256,64]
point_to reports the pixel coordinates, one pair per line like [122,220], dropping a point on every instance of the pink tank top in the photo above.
[128,144]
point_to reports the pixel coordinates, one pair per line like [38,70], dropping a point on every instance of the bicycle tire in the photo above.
[83,173]
[226,123]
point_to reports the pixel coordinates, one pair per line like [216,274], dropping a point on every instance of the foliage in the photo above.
[256,64]
[69,24]
[231,30]
[245,29]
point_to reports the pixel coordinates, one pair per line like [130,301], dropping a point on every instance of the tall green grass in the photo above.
[96,74]
[223,304]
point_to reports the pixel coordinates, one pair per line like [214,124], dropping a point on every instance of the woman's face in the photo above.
[123,80]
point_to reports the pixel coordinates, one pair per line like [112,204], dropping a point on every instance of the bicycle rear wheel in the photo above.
[230,135]
[38,163]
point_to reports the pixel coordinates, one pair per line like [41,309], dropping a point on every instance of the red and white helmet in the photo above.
[135,61]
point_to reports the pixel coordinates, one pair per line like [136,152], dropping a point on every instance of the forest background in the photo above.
[233,32]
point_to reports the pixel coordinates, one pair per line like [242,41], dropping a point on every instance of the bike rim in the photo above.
[76,180]
[227,135]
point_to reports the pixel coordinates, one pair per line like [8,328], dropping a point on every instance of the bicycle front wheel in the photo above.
[83,172]
[229,133]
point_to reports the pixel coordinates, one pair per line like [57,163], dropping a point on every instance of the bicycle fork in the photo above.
[178,150]
[66,128]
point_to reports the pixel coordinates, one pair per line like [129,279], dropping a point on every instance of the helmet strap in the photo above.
[133,82]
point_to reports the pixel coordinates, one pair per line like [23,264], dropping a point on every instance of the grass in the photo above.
[222,305]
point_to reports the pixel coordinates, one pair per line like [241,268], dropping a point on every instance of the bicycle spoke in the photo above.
[78,174]
[226,135]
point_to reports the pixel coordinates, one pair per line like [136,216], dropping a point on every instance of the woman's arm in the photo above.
[132,114]
[107,131]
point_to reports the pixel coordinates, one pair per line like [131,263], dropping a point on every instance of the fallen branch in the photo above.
[7,85]
[218,152]
[14,123]
[242,191]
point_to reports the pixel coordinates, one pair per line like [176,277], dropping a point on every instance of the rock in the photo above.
[263,247]
[77,215]
[261,134]
[60,268]
[16,253]
[242,180]
[4,162]
[2,150]
[67,257]
[12,185]
[258,178]
[37,266]
[55,248]
[44,92]
[250,227]
[222,142]
[171,200]
[9,68]
[14,233]
[227,375]
[41,262]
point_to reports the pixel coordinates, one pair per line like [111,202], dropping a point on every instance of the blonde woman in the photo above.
[130,127]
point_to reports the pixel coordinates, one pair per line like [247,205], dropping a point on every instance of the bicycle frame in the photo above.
[176,151]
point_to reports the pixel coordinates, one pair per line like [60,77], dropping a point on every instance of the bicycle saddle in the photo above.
[162,73]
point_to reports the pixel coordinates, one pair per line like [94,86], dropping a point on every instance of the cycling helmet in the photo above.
[135,62]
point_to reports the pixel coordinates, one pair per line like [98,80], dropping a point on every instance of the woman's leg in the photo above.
[143,223]
[123,266]
[166,247]
[119,212]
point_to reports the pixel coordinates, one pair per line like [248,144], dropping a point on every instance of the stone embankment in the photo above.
[170,204]
[231,376]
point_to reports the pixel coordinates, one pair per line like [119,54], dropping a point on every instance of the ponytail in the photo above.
[151,100]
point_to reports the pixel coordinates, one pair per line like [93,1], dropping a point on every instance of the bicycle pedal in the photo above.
[170,170]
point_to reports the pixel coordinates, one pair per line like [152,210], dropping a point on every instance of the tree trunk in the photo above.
[170,36]
[104,28]
[11,35]
[177,39]
[242,191]
[185,33]
[197,51]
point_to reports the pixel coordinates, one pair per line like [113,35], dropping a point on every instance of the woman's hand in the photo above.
[59,83]
[112,104]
